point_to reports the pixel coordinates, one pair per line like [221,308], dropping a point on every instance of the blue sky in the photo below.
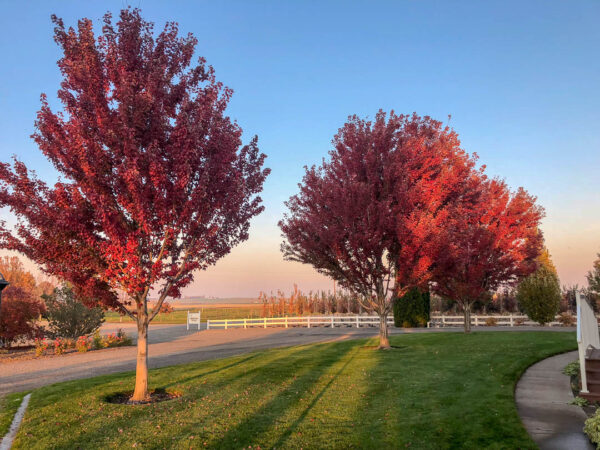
[520,80]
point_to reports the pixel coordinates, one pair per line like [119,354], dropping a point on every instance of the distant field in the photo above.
[211,312]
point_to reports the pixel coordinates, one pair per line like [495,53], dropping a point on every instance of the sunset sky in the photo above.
[519,79]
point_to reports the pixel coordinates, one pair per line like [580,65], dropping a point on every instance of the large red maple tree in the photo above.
[493,241]
[155,183]
[373,217]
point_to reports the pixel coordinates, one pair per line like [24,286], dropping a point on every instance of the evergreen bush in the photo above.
[412,309]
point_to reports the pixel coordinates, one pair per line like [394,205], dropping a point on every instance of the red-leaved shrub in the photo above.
[18,315]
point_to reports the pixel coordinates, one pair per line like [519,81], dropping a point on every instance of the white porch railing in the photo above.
[299,321]
[510,320]
[587,335]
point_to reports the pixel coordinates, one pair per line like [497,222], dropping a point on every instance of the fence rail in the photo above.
[436,321]
[477,320]
[299,321]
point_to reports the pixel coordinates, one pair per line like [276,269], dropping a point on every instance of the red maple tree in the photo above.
[20,310]
[156,182]
[372,218]
[494,241]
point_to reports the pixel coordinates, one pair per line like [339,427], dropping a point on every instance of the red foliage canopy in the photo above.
[494,241]
[19,312]
[156,183]
[373,217]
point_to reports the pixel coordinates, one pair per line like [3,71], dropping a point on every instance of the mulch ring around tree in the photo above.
[376,347]
[157,395]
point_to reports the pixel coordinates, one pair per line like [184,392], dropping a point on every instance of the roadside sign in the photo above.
[193,319]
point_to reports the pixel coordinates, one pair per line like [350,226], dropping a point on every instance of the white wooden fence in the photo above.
[436,321]
[299,321]
[480,320]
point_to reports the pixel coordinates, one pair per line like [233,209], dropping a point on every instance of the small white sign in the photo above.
[193,319]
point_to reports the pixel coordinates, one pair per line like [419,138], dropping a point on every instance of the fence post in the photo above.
[225,323]
[208,324]
[245,323]
[308,322]
[443,320]
[512,324]
[265,322]
[188,320]
[331,321]
[357,322]
[476,320]
[286,324]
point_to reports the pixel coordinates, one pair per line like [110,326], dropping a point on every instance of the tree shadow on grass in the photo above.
[251,430]
[288,432]
[189,379]
[276,367]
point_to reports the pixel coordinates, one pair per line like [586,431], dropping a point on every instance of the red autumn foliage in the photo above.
[156,182]
[20,310]
[373,217]
[494,241]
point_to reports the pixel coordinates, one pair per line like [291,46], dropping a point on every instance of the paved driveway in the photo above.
[173,344]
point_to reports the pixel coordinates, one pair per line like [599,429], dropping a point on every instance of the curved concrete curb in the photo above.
[543,398]
[7,441]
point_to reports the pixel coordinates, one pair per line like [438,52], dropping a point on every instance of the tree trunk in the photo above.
[467,313]
[140,394]
[384,342]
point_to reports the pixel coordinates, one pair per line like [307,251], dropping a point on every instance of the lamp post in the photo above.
[3,284]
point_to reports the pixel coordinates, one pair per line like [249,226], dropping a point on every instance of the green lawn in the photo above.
[436,390]
[8,408]
[180,316]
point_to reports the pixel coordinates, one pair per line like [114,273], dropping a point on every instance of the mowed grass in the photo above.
[180,316]
[8,408]
[435,390]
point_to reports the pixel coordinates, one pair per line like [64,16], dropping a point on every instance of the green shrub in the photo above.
[68,317]
[97,341]
[578,401]
[592,428]
[412,309]
[572,369]
[539,295]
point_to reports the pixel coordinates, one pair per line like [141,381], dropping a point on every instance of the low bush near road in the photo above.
[83,343]
[491,322]
[567,319]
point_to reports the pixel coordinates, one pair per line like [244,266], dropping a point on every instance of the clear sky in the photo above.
[521,80]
